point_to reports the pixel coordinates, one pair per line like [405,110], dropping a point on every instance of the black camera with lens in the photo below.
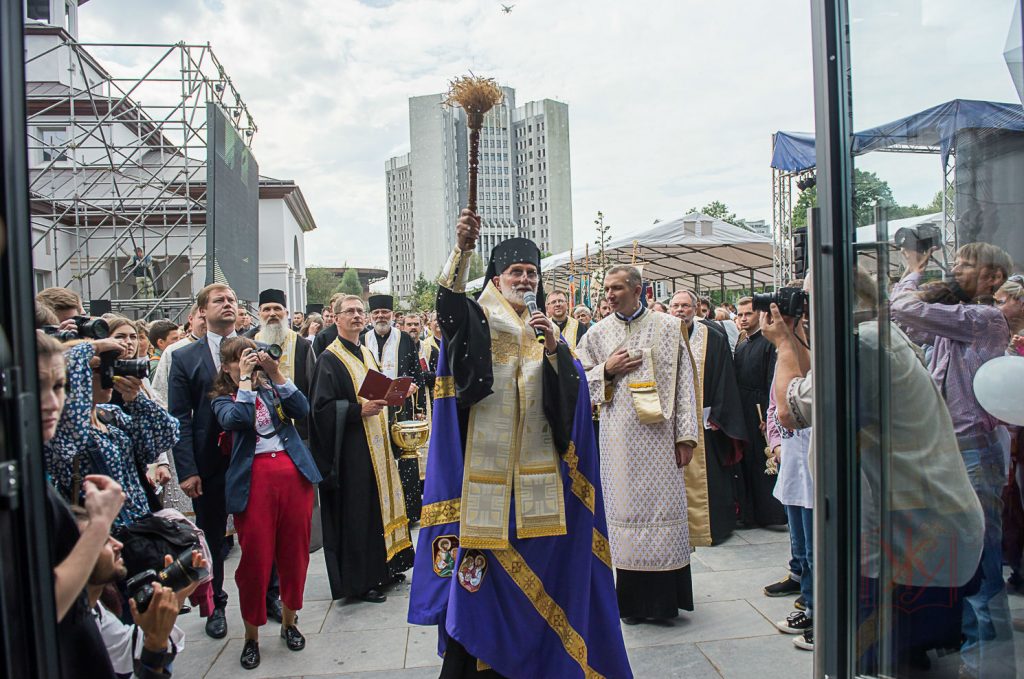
[273,350]
[178,575]
[85,328]
[792,302]
[920,238]
[111,366]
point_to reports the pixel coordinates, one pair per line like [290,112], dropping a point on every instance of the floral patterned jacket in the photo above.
[135,436]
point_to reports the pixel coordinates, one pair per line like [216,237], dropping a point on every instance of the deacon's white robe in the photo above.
[644,490]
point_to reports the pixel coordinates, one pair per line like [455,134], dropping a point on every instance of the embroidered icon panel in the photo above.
[472,569]
[443,550]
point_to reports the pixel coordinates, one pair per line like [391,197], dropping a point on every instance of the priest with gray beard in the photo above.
[397,356]
[296,352]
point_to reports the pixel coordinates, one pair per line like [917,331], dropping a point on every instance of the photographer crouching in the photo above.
[94,437]
[965,330]
[148,647]
[936,520]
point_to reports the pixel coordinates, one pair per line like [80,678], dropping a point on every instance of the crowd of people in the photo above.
[671,422]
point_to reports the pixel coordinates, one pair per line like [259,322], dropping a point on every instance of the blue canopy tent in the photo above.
[934,130]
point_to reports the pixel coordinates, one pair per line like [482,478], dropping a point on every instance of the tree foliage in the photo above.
[868,189]
[424,292]
[320,284]
[602,241]
[719,210]
[350,284]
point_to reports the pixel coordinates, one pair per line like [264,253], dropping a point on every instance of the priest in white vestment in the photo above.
[640,372]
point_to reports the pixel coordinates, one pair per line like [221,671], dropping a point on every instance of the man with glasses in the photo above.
[711,499]
[964,336]
[557,306]
[514,523]
[362,507]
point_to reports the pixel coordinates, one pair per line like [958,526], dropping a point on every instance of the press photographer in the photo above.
[94,437]
[929,492]
[148,647]
[965,332]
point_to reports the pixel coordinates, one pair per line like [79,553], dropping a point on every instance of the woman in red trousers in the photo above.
[269,485]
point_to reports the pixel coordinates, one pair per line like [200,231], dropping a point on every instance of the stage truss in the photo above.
[120,161]
[782,209]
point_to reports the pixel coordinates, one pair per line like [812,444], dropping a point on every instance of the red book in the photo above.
[379,387]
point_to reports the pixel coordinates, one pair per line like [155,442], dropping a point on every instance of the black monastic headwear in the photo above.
[515,251]
[273,296]
[382,302]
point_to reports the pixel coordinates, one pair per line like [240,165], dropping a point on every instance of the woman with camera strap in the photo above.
[269,485]
[95,437]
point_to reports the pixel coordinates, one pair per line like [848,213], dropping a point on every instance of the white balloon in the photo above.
[997,386]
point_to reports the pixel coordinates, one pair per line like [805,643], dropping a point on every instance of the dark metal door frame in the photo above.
[28,631]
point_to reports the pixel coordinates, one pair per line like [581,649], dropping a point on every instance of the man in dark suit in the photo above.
[297,358]
[198,457]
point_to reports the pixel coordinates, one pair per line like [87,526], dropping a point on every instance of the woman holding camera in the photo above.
[269,485]
[94,437]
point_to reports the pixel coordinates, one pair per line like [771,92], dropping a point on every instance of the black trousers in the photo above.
[212,518]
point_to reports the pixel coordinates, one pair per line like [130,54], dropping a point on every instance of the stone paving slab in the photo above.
[357,640]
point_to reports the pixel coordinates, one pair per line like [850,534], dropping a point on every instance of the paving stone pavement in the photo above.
[729,635]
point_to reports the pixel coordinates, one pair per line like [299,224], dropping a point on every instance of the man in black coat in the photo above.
[197,456]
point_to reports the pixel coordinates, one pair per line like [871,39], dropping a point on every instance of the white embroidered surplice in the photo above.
[644,490]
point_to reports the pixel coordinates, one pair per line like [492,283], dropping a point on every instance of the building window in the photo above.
[54,141]
[38,10]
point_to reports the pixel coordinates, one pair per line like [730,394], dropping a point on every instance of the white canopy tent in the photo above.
[692,251]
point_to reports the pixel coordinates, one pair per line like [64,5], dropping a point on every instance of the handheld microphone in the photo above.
[530,300]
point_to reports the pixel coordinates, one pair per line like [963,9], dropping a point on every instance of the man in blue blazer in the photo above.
[199,460]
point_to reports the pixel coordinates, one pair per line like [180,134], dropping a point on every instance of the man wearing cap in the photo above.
[397,356]
[512,563]
[296,352]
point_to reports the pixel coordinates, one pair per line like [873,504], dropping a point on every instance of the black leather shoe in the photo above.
[217,624]
[250,659]
[293,638]
[373,596]
[274,611]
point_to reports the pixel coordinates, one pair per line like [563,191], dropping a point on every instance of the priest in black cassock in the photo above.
[755,368]
[362,506]
[711,476]
[397,356]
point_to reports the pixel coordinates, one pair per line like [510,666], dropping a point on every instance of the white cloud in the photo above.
[671,103]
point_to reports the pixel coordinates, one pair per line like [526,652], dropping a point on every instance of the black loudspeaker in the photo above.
[98,307]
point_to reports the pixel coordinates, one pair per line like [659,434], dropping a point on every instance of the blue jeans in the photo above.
[801,547]
[988,636]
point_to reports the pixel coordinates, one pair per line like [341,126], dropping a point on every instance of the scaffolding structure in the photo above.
[782,208]
[119,162]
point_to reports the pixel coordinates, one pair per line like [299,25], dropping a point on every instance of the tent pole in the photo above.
[721,285]
[751,282]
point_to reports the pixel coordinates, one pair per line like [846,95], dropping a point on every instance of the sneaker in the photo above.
[800,604]
[783,587]
[796,623]
[805,640]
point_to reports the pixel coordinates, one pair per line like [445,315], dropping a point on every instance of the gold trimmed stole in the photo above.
[571,332]
[509,448]
[695,474]
[385,469]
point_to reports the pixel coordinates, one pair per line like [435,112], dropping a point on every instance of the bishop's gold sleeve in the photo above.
[686,415]
[455,273]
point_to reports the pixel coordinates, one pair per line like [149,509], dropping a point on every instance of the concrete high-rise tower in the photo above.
[524,187]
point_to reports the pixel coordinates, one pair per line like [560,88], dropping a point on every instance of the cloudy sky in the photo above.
[671,102]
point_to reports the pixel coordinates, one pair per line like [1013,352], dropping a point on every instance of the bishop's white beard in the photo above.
[514,296]
[382,327]
[274,333]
